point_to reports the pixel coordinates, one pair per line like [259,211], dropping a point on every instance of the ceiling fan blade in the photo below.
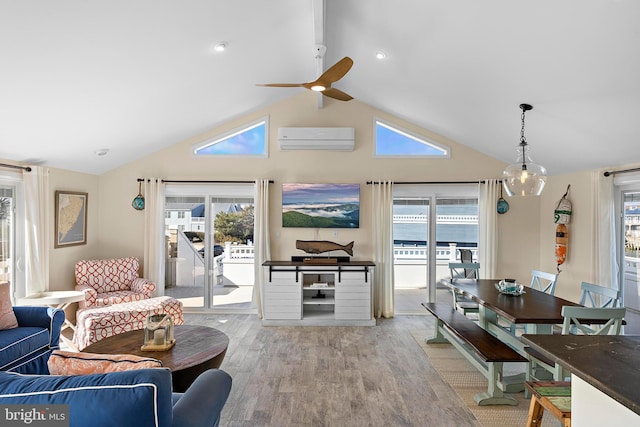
[333,74]
[336,72]
[336,94]
[281,84]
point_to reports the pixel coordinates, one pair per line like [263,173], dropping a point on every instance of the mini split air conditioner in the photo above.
[341,139]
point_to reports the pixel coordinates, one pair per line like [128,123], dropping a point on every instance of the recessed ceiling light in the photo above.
[220,47]
[381,55]
[102,152]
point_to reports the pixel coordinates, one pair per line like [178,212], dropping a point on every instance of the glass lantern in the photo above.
[524,178]
[158,331]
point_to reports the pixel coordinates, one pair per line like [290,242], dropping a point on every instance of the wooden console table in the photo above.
[299,294]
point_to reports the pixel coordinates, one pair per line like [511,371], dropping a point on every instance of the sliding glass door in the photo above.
[427,239]
[410,255]
[630,283]
[209,234]
[7,238]
[230,252]
[11,233]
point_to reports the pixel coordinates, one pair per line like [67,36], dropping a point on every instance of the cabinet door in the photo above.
[283,297]
[353,296]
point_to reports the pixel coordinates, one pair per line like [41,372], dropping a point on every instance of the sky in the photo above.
[320,193]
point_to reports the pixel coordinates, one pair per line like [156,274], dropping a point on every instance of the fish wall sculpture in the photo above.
[320,246]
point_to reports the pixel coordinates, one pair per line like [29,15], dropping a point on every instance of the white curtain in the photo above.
[488,228]
[605,263]
[261,244]
[382,241]
[37,229]
[154,240]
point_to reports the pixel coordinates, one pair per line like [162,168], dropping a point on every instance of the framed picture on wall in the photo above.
[71,218]
[321,205]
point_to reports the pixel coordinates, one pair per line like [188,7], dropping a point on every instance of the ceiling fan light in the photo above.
[220,47]
[318,88]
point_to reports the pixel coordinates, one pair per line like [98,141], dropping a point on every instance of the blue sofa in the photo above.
[26,349]
[135,398]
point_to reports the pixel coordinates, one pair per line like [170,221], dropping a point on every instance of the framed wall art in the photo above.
[71,218]
[321,205]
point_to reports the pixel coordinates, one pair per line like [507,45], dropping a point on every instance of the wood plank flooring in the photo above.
[333,376]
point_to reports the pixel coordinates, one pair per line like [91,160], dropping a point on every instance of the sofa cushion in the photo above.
[74,363]
[7,316]
[125,399]
[21,342]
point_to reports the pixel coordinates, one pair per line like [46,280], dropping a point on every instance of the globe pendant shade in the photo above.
[524,178]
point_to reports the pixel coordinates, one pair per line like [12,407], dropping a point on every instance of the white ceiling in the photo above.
[137,76]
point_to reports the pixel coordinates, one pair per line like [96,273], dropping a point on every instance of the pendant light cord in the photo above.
[523,141]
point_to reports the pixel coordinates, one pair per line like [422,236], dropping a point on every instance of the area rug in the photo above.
[466,381]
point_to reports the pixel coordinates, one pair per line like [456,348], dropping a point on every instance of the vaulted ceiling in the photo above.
[136,76]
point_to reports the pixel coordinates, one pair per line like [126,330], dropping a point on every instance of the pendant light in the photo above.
[524,178]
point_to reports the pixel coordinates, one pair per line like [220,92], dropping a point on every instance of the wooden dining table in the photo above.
[498,313]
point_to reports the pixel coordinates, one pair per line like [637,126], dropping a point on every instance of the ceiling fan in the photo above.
[323,83]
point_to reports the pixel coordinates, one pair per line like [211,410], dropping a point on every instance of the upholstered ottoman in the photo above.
[94,324]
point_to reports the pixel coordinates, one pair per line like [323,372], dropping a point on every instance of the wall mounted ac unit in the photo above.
[341,139]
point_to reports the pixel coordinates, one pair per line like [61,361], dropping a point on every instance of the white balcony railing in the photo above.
[442,219]
[232,251]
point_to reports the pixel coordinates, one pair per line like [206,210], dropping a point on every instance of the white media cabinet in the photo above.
[300,294]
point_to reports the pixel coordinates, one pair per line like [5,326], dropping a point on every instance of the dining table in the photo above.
[534,311]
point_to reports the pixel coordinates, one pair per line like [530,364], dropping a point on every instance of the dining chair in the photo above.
[599,296]
[578,321]
[544,282]
[466,255]
[464,270]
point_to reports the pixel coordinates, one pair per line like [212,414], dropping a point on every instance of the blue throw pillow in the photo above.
[124,399]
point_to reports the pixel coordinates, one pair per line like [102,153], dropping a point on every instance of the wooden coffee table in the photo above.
[197,349]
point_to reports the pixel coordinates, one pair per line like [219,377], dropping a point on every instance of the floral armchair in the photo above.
[111,281]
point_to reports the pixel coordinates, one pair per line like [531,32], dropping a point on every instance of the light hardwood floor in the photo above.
[333,376]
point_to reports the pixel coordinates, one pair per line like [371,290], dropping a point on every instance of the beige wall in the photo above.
[580,255]
[581,252]
[526,232]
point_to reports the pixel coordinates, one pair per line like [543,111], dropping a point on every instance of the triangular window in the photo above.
[248,140]
[392,141]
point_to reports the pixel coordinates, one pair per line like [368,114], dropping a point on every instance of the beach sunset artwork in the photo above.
[321,205]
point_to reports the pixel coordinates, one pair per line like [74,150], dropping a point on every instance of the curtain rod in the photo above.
[24,168]
[621,171]
[204,182]
[438,182]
